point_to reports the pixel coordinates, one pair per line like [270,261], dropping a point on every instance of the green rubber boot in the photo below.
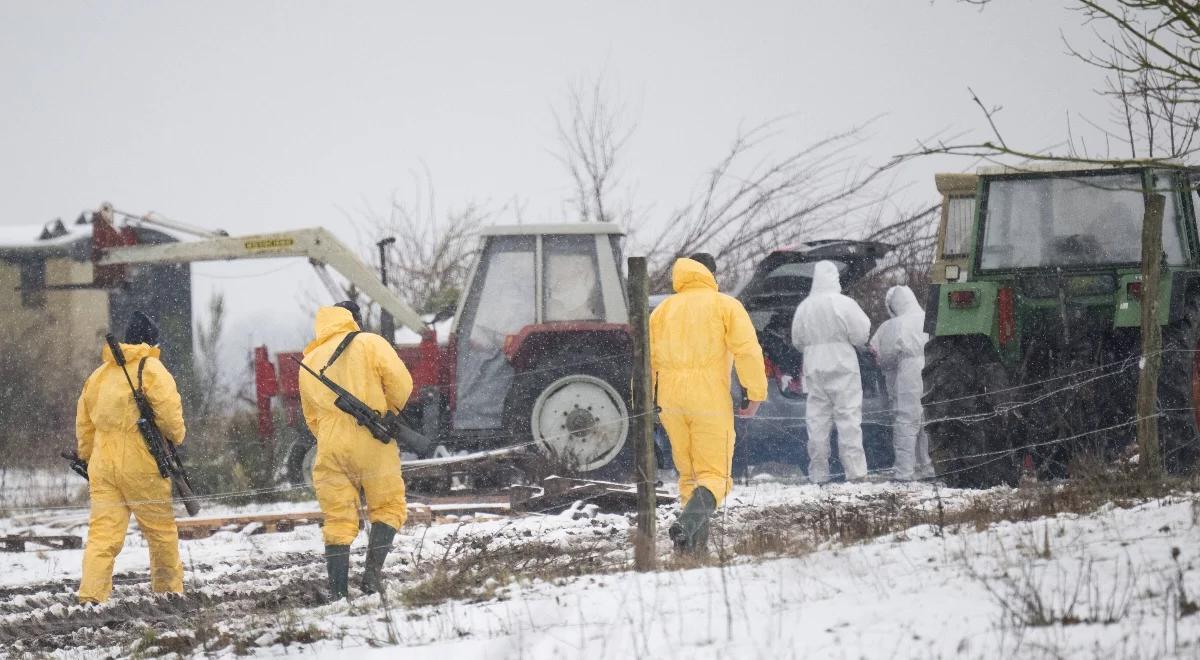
[689,532]
[337,563]
[379,544]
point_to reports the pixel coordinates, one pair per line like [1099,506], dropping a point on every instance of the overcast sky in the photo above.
[257,116]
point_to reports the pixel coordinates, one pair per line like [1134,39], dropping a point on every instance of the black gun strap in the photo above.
[337,352]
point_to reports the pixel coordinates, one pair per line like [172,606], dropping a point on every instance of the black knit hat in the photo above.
[141,330]
[707,260]
[352,307]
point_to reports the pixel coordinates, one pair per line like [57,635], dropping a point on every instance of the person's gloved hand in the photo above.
[750,410]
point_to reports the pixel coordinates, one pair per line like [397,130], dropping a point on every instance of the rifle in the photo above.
[383,427]
[163,451]
[78,465]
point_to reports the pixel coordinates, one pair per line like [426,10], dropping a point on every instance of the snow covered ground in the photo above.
[810,572]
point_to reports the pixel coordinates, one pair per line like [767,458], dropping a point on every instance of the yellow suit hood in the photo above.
[133,353]
[689,274]
[330,321]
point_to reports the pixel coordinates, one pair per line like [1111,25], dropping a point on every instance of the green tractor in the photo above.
[1034,350]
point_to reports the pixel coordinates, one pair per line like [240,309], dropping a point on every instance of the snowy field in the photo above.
[870,570]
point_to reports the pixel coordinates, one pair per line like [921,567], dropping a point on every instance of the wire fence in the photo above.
[879,418]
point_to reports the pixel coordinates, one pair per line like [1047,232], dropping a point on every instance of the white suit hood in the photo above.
[901,300]
[825,278]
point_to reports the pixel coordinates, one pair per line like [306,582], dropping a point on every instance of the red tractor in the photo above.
[537,356]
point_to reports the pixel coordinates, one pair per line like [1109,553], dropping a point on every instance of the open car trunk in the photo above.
[784,278]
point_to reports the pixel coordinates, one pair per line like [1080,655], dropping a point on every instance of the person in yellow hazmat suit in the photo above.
[349,458]
[122,475]
[696,337]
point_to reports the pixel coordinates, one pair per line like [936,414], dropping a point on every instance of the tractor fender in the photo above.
[1173,291]
[979,318]
[533,342]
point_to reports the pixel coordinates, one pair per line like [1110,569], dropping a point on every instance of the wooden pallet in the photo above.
[17,543]
[190,529]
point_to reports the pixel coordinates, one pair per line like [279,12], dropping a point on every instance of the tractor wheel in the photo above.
[574,412]
[300,459]
[968,439]
[1179,391]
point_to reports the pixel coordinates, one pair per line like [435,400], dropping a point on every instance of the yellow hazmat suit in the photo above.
[122,475]
[696,336]
[348,456]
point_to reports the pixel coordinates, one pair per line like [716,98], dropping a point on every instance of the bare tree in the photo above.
[1150,51]
[912,235]
[592,133]
[754,198]
[431,258]
[753,201]
[212,391]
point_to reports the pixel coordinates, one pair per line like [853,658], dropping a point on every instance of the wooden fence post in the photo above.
[1149,456]
[642,416]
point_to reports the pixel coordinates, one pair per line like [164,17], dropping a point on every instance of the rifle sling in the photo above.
[337,352]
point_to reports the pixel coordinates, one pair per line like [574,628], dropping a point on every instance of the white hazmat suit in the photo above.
[900,345]
[827,326]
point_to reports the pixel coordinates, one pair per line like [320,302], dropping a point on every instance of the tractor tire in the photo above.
[300,459]
[1179,391]
[574,409]
[968,436]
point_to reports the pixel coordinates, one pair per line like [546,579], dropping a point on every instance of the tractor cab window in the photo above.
[960,216]
[1070,221]
[1195,186]
[571,287]
[501,302]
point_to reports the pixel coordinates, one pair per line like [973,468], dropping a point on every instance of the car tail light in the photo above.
[1134,290]
[962,299]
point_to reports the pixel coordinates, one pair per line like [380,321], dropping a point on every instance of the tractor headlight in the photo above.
[952,273]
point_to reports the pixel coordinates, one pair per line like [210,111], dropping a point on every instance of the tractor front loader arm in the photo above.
[316,244]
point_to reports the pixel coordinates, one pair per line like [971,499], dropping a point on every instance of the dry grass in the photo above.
[476,569]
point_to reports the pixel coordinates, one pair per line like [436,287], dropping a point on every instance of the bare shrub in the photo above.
[1041,595]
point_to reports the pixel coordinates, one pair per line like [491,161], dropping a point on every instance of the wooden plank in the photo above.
[58,542]
[192,529]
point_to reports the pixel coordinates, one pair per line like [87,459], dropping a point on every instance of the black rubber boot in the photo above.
[379,544]
[689,532]
[337,563]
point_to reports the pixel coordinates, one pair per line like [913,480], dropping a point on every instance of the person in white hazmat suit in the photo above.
[827,326]
[900,345]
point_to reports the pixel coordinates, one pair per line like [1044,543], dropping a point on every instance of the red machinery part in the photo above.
[266,385]
[289,385]
[1006,319]
[105,236]
[528,342]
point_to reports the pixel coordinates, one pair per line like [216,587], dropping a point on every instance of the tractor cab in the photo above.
[1042,302]
[541,343]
